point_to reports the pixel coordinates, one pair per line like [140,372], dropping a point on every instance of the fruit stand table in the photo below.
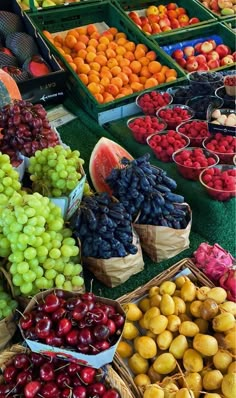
[212,220]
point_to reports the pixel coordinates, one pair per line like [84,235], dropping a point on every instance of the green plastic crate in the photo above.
[231,23]
[59,20]
[217,28]
[193,8]
[219,17]
[33,8]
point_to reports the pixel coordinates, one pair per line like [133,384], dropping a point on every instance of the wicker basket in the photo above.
[112,378]
[7,325]
[196,276]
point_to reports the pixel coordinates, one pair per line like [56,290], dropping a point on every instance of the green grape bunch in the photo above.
[55,171]
[7,304]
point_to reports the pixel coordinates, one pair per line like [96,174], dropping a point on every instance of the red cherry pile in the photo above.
[80,322]
[191,161]
[33,375]
[144,126]
[151,102]
[165,144]
[223,145]
[221,184]
[230,81]
[196,130]
[174,115]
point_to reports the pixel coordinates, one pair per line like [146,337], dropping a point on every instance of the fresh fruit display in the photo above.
[175,114]
[220,7]
[25,4]
[219,117]
[55,171]
[105,156]
[201,103]
[191,161]
[205,55]
[162,18]
[196,130]
[80,322]
[8,89]
[180,94]
[146,192]
[222,145]
[7,304]
[143,126]
[152,101]
[205,83]
[220,182]
[180,337]
[166,143]
[103,227]
[110,65]
[25,127]
[32,375]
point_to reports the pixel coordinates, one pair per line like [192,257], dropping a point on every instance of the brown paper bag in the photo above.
[116,270]
[161,243]
[7,330]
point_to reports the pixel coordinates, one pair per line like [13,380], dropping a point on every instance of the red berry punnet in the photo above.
[166,143]
[191,161]
[223,146]
[220,182]
[144,126]
[173,115]
[196,130]
[152,101]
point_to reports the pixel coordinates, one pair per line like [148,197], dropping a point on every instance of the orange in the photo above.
[144,61]
[135,66]
[95,35]
[172,14]
[91,29]
[84,39]
[99,97]
[123,77]
[113,31]
[136,86]
[133,78]
[106,73]
[120,96]
[129,55]
[105,81]
[142,79]
[67,50]
[101,47]
[82,53]
[93,88]
[104,40]
[73,66]
[105,68]
[115,70]
[101,59]
[130,46]
[139,53]
[95,66]
[145,72]
[93,78]
[171,72]
[160,76]
[108,35]
[112,62]
[151,55]
[118,35]
[142,46]
[79,46]
[117,81]
[94,72]
[78,61]
[83,68]
[171,79]
[101,53]
[180,11]
[61,51]
[84,78]
[110,53]
[82,30]
[112,45]
[121,41]
[58,39]
[47,34]
[120,50]
[91,49]
[126,90]
[74,33]
[68,58]
[107,97]
[90,57]
[126,70]
[112,89]
[151,82]
[154,66]
[93,43]
[164,69]
[123,62]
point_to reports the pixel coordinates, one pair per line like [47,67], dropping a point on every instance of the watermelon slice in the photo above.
[105,156]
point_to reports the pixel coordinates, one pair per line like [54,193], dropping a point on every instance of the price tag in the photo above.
[75,198]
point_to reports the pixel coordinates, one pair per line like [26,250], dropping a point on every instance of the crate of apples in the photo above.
[179,324]
[162,18]
[81,327]
[109,64]
[203,56]
[220,7]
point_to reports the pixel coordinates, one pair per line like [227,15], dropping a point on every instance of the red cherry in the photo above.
[36,359]
[79,392]
[72,337]
[63,327]
[96,388]
[52,303]
[87,375]
[88,296]
[46,372]
[50,390]
[73,368]
[63,380]
[31,389]
[43,328]
[21,361]
[9,373]
[27,321]
[111,394]
[80,311]
[24,377]
[59,314]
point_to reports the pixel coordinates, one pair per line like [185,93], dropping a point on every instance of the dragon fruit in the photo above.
[214,261]
[228,282]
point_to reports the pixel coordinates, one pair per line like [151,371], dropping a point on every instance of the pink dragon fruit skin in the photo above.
[228,282]
[214,261]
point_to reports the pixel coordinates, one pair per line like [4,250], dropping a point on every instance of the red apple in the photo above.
[201,59]
[203,67]
[192,66]
[188,51]
[227,60]
[178,54]
[166,28]
[147,28]
[174,23]
[192,58]
[206,47]
[213,55]
[213,43]
[193,21]
[181,62]
[155,28]
[144,20]
[222,50]
[213,63]
[183,19]
[164,22]
[133,14]
[153,18]
[197,47]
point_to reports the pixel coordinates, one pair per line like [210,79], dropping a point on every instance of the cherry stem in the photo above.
[90,345]
[91,285]
[77,374]
[21,313]
[62,367]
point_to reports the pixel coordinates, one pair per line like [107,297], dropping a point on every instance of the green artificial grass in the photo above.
[213,221]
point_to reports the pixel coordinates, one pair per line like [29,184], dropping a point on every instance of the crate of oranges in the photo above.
[179,338]
[109,59]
